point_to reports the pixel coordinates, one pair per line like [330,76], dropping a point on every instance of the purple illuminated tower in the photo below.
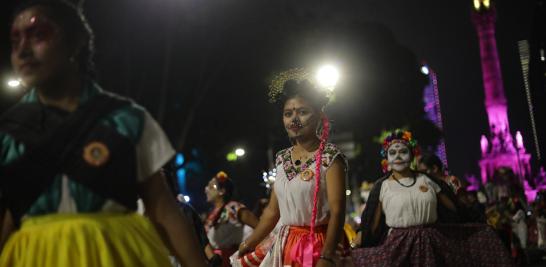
[431,98]
[499,149]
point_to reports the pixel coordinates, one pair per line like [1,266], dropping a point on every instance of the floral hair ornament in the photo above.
[277,83]
[221,176]
[397,136]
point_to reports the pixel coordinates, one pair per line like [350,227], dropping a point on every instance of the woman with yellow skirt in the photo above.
[74,159]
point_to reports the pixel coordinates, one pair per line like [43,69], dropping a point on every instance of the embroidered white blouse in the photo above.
[295,195]
[409,206]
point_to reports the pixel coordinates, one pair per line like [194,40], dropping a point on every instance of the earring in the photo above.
[319,129]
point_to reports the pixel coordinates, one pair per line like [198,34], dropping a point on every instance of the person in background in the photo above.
[225,223]
[432,165]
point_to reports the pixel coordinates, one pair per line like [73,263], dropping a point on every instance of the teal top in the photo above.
[67,195]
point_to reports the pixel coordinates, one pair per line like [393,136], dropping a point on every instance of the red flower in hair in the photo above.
[221,176]
[384,165]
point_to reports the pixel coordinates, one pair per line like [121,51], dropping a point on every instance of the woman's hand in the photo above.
[245,247]
[267,222]
[357,241]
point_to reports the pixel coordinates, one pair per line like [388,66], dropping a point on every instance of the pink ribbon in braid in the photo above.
[304,251]
[318,164]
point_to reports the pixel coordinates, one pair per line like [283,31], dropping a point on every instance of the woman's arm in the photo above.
[335,189]
[173,226]
[247,217]
[444,200]
[377,217]
[268,220]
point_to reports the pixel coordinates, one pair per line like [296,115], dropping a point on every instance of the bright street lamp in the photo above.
[239,152]
[328,76]
[425,70]
[14,83]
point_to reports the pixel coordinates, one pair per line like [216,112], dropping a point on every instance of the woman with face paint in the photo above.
[399,224]
[74,159]
[225,223]
[308,199]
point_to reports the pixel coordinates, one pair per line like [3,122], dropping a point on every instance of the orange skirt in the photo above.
[295,234]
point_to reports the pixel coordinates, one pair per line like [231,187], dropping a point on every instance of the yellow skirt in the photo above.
[85,240]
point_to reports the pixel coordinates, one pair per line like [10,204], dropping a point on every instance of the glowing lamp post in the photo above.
[479,4]
[13,84]
[233,156]
[425,70]
[327,76]
[240,152]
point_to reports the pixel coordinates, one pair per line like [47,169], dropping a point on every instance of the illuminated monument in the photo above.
[499,149]
[431,98]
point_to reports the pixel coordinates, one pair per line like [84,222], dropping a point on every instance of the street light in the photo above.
[239,152]
[234,155]
[14,83]
[425,70]
[328,76]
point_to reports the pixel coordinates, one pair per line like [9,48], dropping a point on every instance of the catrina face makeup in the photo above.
[38,53]
[399,157]
[299,118]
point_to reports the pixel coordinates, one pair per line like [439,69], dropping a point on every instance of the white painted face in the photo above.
[399,157]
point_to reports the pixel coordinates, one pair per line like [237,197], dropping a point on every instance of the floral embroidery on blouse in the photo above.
[284,159]
[228,214]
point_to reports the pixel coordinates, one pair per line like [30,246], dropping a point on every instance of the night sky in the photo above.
[201,68]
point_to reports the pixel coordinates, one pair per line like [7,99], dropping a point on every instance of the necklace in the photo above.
[301,157]
[407,186]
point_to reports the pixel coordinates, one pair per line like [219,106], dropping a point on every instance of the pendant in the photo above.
[423,188]
[307,175]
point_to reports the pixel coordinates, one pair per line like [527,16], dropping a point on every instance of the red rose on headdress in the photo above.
[221,176]
[407,135]
[385,165]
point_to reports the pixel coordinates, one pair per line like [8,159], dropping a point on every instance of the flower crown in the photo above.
[398,136]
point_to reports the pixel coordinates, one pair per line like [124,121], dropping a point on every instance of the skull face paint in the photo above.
[399,157]
[299,118]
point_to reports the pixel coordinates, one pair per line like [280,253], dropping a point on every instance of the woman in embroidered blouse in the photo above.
[292,198]
[399,222]
[225,223]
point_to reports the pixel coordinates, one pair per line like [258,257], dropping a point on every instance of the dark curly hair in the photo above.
[75,25]
[305,90]
[430,160]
